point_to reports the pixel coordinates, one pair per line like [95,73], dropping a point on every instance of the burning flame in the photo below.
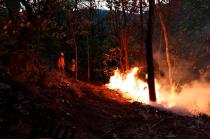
[133,88]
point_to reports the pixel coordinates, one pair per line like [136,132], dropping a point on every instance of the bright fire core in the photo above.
[131,86]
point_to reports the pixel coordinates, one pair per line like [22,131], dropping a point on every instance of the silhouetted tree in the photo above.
[149,53]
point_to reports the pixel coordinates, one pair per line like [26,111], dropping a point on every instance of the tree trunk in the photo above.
[75,42]
[149,53]
[90,38]
[72,30]
[166,38]
[76,53]
[37,49]
[118,40]
[124,41]
[125,48]
[88,53]
[141,24]
[142,35]
[76,72]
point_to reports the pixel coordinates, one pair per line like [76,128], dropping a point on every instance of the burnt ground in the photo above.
[59,107]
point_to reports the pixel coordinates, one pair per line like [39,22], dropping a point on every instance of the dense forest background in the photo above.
[33,33]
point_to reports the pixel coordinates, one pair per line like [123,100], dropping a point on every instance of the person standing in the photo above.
[61,62]
[72,68]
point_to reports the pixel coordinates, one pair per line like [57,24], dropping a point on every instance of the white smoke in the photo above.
[194,94]
[194,98]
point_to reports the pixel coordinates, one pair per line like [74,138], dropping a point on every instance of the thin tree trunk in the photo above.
[90,39]
[141,24]
[76,54]
[125,48]
[149,53]
[118,40]
[166,38]
[88,53]
[76,72]
[142,35]
[37,49]
[75,43]
[124,37]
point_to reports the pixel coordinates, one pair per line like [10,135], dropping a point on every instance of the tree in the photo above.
[149,53]
[141,22]
[90,38]
[166,38]
[123,34]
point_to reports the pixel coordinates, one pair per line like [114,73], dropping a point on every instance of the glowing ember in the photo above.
[131,86]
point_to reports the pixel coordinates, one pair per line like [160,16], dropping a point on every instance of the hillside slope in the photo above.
[64,108]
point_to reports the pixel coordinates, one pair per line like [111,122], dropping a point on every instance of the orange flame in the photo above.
[131,86]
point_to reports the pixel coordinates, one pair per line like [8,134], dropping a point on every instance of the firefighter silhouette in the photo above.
[61,62]
[72,68]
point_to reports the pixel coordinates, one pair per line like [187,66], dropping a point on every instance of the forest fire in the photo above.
[131,86]
[56,57]
[184,102]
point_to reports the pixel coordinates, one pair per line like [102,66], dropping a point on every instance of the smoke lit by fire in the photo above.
[192,99]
